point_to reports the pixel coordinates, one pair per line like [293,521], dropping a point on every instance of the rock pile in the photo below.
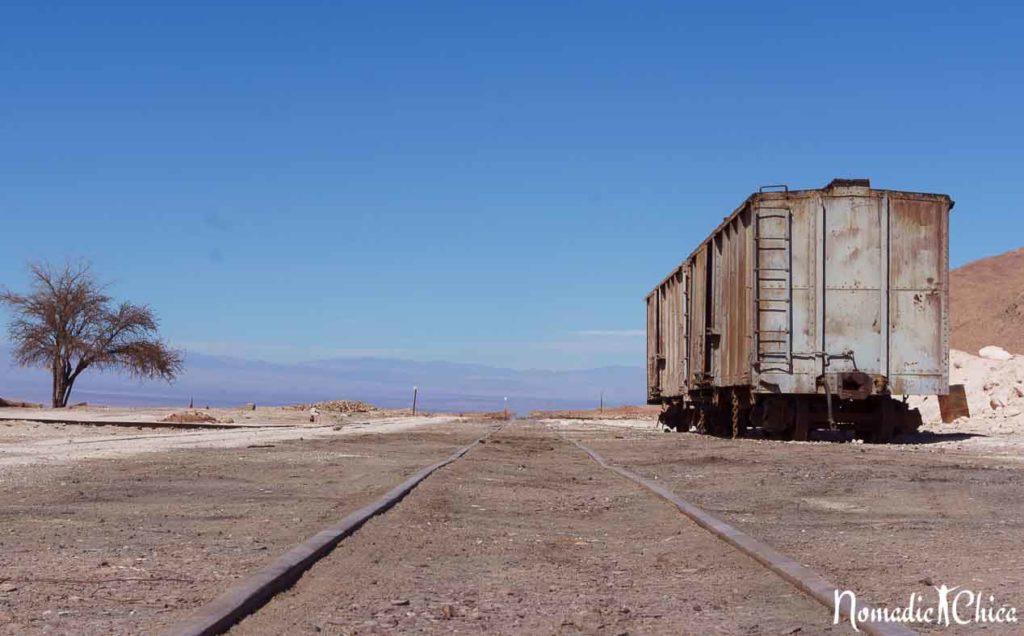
[342,406]
[993,382]
[190,417]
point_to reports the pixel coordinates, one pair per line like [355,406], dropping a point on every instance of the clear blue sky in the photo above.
[472,181]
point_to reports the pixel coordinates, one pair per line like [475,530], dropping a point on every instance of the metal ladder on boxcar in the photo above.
[773,347]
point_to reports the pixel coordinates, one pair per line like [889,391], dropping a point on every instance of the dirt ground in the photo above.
[114,530]
[527,535]
[883,521]
[26,443]
[139,538]
[260,416]
[631,412]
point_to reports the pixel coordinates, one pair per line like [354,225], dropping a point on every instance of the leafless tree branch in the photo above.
[67,324]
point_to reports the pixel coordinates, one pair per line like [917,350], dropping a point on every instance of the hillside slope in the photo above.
[987,303]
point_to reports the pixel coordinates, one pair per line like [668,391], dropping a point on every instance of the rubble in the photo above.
[339,406]
[190,417]
[994,389]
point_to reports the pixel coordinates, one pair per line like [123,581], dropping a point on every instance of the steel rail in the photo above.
[254,591]
[808,582]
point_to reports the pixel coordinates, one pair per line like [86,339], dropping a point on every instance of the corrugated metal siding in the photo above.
[669,316]
[666,337]
[653,377]
[698,315]
[733,301]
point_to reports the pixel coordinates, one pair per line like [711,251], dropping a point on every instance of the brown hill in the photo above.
[987,303]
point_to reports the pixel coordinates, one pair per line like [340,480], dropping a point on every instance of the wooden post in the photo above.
[506,407]
[602,402]
[414,391]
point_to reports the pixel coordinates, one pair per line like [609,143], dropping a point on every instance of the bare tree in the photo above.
[67,324]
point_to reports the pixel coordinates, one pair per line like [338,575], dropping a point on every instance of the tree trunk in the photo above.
[58,390]
[62,382]
[67,392]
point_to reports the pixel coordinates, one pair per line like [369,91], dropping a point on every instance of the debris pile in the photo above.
[190,417]
[994,384]
[340,406]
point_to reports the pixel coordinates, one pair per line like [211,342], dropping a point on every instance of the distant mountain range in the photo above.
[443,386]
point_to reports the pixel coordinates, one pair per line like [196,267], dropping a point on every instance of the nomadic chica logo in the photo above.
[951,606]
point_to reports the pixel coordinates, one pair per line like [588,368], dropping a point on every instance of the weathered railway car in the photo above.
[806,309]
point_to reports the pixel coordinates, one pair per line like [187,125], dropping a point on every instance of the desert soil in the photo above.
[155,527]
[525,534]
[883,521]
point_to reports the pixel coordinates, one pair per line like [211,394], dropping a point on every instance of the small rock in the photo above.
[994,353]
[927,581]
[996,403]
[400,602]
[447,612]
[8,587]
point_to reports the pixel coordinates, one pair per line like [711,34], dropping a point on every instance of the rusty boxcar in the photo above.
[806,309]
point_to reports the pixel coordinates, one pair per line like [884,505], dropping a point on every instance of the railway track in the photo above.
[522,531]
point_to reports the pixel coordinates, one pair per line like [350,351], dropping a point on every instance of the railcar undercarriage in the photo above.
[732,412]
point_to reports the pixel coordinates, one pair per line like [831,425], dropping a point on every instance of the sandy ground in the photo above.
[260,416]
[114,530]
[136,540]
[23,443]
[883,520]
[527,535]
